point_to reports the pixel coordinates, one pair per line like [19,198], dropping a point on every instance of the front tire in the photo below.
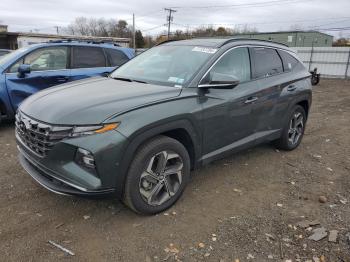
[157,176]
[293,130]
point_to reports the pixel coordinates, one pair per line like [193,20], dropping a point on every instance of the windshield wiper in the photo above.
[123,79]
[140,81]
[129,80]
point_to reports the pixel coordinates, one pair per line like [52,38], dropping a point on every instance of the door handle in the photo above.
[291,88]
[251,100]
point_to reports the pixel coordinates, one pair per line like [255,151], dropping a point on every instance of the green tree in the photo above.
[139,40]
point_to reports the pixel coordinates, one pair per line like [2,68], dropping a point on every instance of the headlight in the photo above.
[90,130]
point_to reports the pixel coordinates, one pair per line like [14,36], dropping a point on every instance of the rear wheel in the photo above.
[157,176]
[293,131]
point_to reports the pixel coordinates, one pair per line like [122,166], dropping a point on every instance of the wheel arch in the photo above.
[305,105]
[304,100]
[180,130]
[3,109]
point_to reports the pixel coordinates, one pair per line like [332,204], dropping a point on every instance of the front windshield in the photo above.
[7,58]
[165,65]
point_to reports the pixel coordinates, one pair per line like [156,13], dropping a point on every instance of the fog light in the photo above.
[85,158]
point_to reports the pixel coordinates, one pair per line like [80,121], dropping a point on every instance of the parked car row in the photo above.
[36,67]
[138,132]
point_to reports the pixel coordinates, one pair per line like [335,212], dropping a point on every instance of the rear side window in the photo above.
[116,57]
[267,62]
[88,57]
[289,62]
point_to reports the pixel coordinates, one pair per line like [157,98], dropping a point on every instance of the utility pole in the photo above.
[56,29]
[133,31]
[169,18]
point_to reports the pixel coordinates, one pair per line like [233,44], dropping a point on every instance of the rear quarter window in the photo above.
[266,62]
[88,57]
[289,62]
[116,57]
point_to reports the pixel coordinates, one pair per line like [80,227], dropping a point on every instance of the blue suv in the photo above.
[36,67]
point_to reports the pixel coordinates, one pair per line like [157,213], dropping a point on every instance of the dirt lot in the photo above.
[248,205]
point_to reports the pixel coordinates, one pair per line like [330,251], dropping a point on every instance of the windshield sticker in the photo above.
[204,50]
[176,80]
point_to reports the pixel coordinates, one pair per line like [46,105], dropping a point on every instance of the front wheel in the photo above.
[157,176]
[293,130]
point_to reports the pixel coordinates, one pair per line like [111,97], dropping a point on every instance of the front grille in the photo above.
[38,136]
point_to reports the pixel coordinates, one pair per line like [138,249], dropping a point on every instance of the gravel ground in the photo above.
[245,207]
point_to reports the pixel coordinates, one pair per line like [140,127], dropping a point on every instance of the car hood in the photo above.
[92,101]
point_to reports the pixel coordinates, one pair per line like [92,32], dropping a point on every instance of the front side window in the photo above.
[88,57]
[235,63]
[14,55]
[267,62]
[52,58]
[169,65]
[14,67]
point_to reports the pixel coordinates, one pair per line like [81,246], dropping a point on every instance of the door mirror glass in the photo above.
[23,70]
[222,79]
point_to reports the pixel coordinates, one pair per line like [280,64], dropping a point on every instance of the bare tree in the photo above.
[99,27]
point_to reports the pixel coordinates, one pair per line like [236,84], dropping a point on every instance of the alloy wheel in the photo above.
[296,128]
[162,178]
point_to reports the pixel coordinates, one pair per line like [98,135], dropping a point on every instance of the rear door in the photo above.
[267,68]
[48,68]
[88,61]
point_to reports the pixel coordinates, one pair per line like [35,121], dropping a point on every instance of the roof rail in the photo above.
[89,41]
[230,40]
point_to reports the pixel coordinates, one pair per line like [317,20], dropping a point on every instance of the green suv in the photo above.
[138,132]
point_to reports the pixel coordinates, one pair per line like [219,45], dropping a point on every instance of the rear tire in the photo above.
[157,176]
[293,131]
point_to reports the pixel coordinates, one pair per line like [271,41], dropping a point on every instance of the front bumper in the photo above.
[54,184]
[58,171]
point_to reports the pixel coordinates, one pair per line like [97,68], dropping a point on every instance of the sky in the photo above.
[265,15]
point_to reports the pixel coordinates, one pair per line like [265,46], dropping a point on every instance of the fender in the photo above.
[140,137]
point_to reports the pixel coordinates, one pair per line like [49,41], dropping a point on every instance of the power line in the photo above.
[315,27]
[266,3]
[152,28]
[144,15]
[265,23]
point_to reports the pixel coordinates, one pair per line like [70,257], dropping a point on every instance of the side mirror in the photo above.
[105,74]
[219,81]
[23,70]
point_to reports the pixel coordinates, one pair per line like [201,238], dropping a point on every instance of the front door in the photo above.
[48,68]
[228,119]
